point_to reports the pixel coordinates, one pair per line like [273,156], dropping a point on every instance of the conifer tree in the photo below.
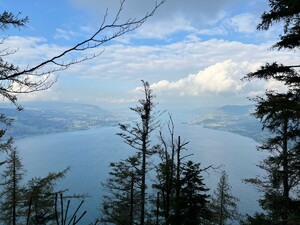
[39,198]
[121,204]
[193,198]
[168,173]
[11,195]
[179,183]
[279,113]
[224,204]
[138,137]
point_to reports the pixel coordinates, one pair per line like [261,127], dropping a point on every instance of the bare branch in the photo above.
[12,76]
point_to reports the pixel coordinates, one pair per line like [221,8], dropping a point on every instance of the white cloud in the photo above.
[30,50]
[162,29]
[192,68]
[170,18]
[51,94]
[218,30]
[66,34]
[220,78]
[276,85]
[244,23]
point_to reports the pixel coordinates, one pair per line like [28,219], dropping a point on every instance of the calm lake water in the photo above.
[88,154]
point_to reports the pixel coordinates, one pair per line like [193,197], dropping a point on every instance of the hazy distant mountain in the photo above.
[52,117]
[233,118]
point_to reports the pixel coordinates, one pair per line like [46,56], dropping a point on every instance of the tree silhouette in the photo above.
[279,113]
[168,173]
[138,137]
[39,196]
[193,198]
[121,204]
[11,195]
[223,202]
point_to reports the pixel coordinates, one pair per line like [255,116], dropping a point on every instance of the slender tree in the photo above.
[121,204]
[168,151]
[165,170]
[194,200]
[179,183]
[138,137]
[11,195]
[223,202]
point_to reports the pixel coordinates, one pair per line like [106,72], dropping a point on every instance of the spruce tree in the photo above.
[193,198]
[11,195]
[39,198]
[279,113]
[138,137]
[121,203]
[181,193]
[224,204]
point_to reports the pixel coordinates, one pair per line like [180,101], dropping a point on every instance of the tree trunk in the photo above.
[285,171]
[177,209]
[143,181]
[131,198]
[14,189]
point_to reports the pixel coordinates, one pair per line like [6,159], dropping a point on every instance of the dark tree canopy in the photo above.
[288,12]
[9,19]
[279,112]
[121,204]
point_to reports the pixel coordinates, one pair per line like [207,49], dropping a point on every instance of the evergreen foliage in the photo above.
[224,204]
[11,195]
[193,200]
[280,114]
[40,197]
[8,18]
[138,137]
[179,184]
[286,11]
[121,206]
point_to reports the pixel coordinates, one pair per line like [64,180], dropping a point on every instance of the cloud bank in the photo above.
[220,78]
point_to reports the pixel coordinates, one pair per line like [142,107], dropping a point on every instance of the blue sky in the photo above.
[193,53]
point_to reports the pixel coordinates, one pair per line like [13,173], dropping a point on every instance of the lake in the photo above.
[89,152]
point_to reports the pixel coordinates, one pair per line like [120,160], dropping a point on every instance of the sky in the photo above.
[193,53]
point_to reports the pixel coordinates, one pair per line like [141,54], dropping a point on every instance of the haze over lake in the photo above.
[89,152]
